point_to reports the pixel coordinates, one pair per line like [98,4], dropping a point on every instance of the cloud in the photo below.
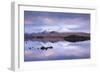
[45,22]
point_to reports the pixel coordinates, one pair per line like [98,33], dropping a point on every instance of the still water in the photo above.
[62,50]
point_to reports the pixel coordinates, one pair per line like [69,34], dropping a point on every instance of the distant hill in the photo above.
[55,36]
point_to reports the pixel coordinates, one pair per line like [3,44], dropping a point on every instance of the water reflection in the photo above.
[60,50]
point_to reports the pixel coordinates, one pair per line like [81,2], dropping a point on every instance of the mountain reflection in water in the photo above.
[60,50]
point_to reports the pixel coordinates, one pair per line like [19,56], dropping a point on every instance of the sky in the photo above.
[37,22]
